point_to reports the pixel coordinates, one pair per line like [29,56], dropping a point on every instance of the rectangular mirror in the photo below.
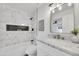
[62,20]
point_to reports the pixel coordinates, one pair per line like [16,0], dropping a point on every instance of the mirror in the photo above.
[62,19]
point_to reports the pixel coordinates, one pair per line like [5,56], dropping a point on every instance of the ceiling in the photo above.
[28,8]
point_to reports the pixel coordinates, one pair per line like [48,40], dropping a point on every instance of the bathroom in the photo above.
[38,29]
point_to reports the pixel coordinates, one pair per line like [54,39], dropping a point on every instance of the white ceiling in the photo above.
[28,8]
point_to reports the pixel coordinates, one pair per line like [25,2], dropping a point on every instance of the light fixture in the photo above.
[57,5]
[69,4]
[22,24]
[50,8]
[54,6]
[53,11]
[60,8]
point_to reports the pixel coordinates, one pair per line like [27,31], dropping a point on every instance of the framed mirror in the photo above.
[62,20]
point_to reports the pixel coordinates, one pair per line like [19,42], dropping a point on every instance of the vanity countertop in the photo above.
[63,45]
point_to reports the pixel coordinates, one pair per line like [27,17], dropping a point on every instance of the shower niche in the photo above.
[16,28]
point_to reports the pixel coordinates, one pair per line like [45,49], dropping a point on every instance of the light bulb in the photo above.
[22,24]
[69,4]
[60,8]
[50,8]
[53,11]
[58,5]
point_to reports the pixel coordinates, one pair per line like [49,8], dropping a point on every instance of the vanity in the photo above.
[57,47]
[58,42]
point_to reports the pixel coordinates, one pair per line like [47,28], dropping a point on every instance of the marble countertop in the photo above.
[63,45]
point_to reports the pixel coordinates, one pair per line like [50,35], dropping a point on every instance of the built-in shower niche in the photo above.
[17,28]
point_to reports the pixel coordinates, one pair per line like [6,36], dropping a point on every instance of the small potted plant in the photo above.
[75,38]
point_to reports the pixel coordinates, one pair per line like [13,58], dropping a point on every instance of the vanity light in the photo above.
[50,8]
[60,8]
[53,11]
[22,24]
[57,5]
[69,4]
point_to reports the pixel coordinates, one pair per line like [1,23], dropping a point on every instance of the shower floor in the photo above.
[18,50]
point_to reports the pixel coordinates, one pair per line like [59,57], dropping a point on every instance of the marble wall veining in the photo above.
[12,16]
